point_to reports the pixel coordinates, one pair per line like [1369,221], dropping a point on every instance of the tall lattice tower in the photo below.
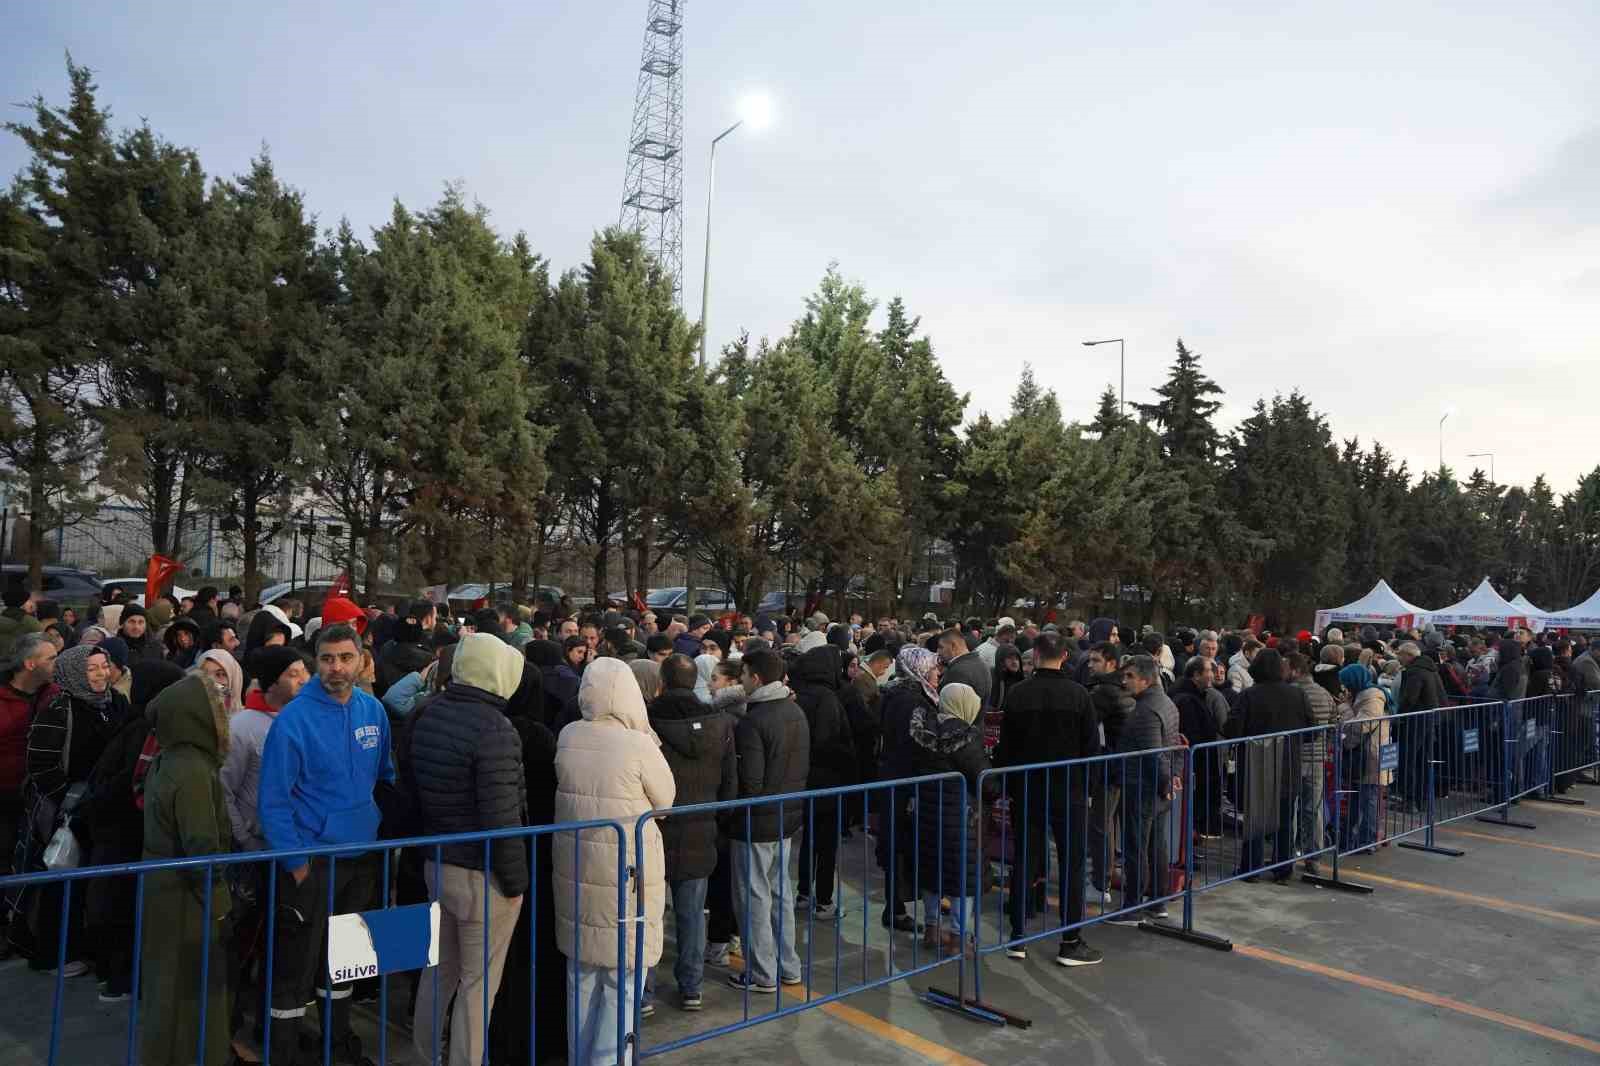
[652,198]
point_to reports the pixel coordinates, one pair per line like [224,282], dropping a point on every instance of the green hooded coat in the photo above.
[184,816]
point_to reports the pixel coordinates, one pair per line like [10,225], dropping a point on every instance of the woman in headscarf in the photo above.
[185,816]
[116,827]
[1363,711]
[1007,672]
[609,767]
[943,740]
[915,688]
[704,666]
[66,740]
[647,672]
[182,638]
[223,671]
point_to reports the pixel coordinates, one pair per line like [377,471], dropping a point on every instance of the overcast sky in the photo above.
[1392,206]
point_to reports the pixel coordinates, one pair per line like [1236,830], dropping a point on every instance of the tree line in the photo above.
[187,342]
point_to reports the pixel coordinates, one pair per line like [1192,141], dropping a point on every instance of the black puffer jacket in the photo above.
[774,748]
[1112,706]
[698,744]
[466,769]
[400,657]
[815,680]
[1421,688]
[940,745]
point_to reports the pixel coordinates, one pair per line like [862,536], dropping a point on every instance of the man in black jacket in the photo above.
[1421,689]
[698,743]
[408,649]
[815,680]
[1112,705]
[1049,718]
[964,667]
[774,748]
[1269,768]
[464,766]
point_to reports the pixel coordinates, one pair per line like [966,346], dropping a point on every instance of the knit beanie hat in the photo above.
[266,664]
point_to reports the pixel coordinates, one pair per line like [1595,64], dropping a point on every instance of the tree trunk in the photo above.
[604,517]
[36,501]
[374,558]
[250,532]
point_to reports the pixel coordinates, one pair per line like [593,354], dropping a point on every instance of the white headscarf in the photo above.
[704,667]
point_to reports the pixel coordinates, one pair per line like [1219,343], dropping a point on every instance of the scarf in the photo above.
[230,699]
[917,662]
[946,729]
[704,667]
[72,675]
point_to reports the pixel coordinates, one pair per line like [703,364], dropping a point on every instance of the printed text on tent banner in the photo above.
[370,943]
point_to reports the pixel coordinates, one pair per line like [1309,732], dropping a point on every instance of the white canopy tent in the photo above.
[1382,604]
[1484,606]
[1585,615]
[1519,600]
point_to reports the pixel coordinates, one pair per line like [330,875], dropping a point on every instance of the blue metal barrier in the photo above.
[1573,744]
[267,861]
[895,805]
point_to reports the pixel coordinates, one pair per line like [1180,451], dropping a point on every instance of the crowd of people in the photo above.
[205,727]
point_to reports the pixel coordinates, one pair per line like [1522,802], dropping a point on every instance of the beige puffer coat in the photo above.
[609,767]
[1366,724]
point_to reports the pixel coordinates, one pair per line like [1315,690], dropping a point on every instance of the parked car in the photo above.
[676,598]
[779,602]
[463,596]
[63,584]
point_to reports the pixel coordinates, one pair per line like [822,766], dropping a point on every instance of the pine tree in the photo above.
[1185,410]
[1108,417]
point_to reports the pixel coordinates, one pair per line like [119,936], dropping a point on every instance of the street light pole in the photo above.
[1441,440]
[1122,365]
[705,277]
[1490,457]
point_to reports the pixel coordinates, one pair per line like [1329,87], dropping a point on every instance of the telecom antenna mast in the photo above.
[652,197]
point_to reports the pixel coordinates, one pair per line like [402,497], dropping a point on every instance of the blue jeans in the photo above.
[1146,836]
[592,1030]
[769,923]
[689,917]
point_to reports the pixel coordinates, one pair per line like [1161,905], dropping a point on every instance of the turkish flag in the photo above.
[156,575]
[341,584]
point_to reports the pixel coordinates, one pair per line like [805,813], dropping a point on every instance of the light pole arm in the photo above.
[705,276]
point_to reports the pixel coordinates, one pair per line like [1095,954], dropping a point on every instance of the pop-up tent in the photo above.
[1585,615]
[1380,606]
[1486,607]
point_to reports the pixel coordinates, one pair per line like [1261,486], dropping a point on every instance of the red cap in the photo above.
[1304,636]
[341,610]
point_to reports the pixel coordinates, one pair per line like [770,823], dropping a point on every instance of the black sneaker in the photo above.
[1077,953]
[903,923]
[1157,911]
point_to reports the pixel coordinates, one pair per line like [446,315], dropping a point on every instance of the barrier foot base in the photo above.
[1565,801]
[974,1009]
[1337,882]
[1434,849]
[1507,822]
[1193,936]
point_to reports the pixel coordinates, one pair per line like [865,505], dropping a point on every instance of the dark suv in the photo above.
[63,584]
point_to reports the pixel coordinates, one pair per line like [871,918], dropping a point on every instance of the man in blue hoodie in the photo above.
[326,752]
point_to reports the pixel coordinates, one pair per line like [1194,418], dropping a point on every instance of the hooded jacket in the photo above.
[1511,678]
[773,742]
[1112,706]
[1421,688]
[465,761]
[815,680]
[185,816]
[319,766]
[406,652]
[609,767]
[1583,676]
[1541,671]
[698,744]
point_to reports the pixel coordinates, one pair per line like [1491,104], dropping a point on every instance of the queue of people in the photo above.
[164,738]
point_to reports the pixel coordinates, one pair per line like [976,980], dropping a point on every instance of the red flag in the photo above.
[341,584]
[157,573]
[636,601]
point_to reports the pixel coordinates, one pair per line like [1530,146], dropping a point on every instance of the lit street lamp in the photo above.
[757,112]
[1122,363]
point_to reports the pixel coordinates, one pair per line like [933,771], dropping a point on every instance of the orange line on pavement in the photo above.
[1519,842]
[1491,902]
[929,1051]
[1509,1021]
[1586,812]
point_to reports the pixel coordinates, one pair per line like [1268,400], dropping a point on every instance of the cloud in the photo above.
[1564,192]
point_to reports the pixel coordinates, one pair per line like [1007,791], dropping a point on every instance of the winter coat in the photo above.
[941,745]
[970,669]
[1324,712]
[815,681]
[900,698]
[399,658]
[241,769]
[1195,720]
[465,761]
[1239,672]
[15,623]
[609,767]
[1269,767]
[1541,672]
[51,767]
[1511,679]
[774,748]
[1152,724]
[1584,674]
[1112,705]
[1048,718]
[17,711]
[1366,723]
[1421,688]
[698,744]
[146,649]
[184,816]
[863,707]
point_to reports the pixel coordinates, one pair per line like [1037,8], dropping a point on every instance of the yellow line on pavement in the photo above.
[1492,902]
[1519,842]
[929,1051]
[1560,1036]
[1586,812]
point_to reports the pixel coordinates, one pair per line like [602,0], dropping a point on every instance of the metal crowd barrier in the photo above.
[238,866]
[895,808]
[1575,741]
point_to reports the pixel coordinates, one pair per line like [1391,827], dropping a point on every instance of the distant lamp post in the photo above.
[756,112]
[1489,456]
[1122,364]
[1447,413]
